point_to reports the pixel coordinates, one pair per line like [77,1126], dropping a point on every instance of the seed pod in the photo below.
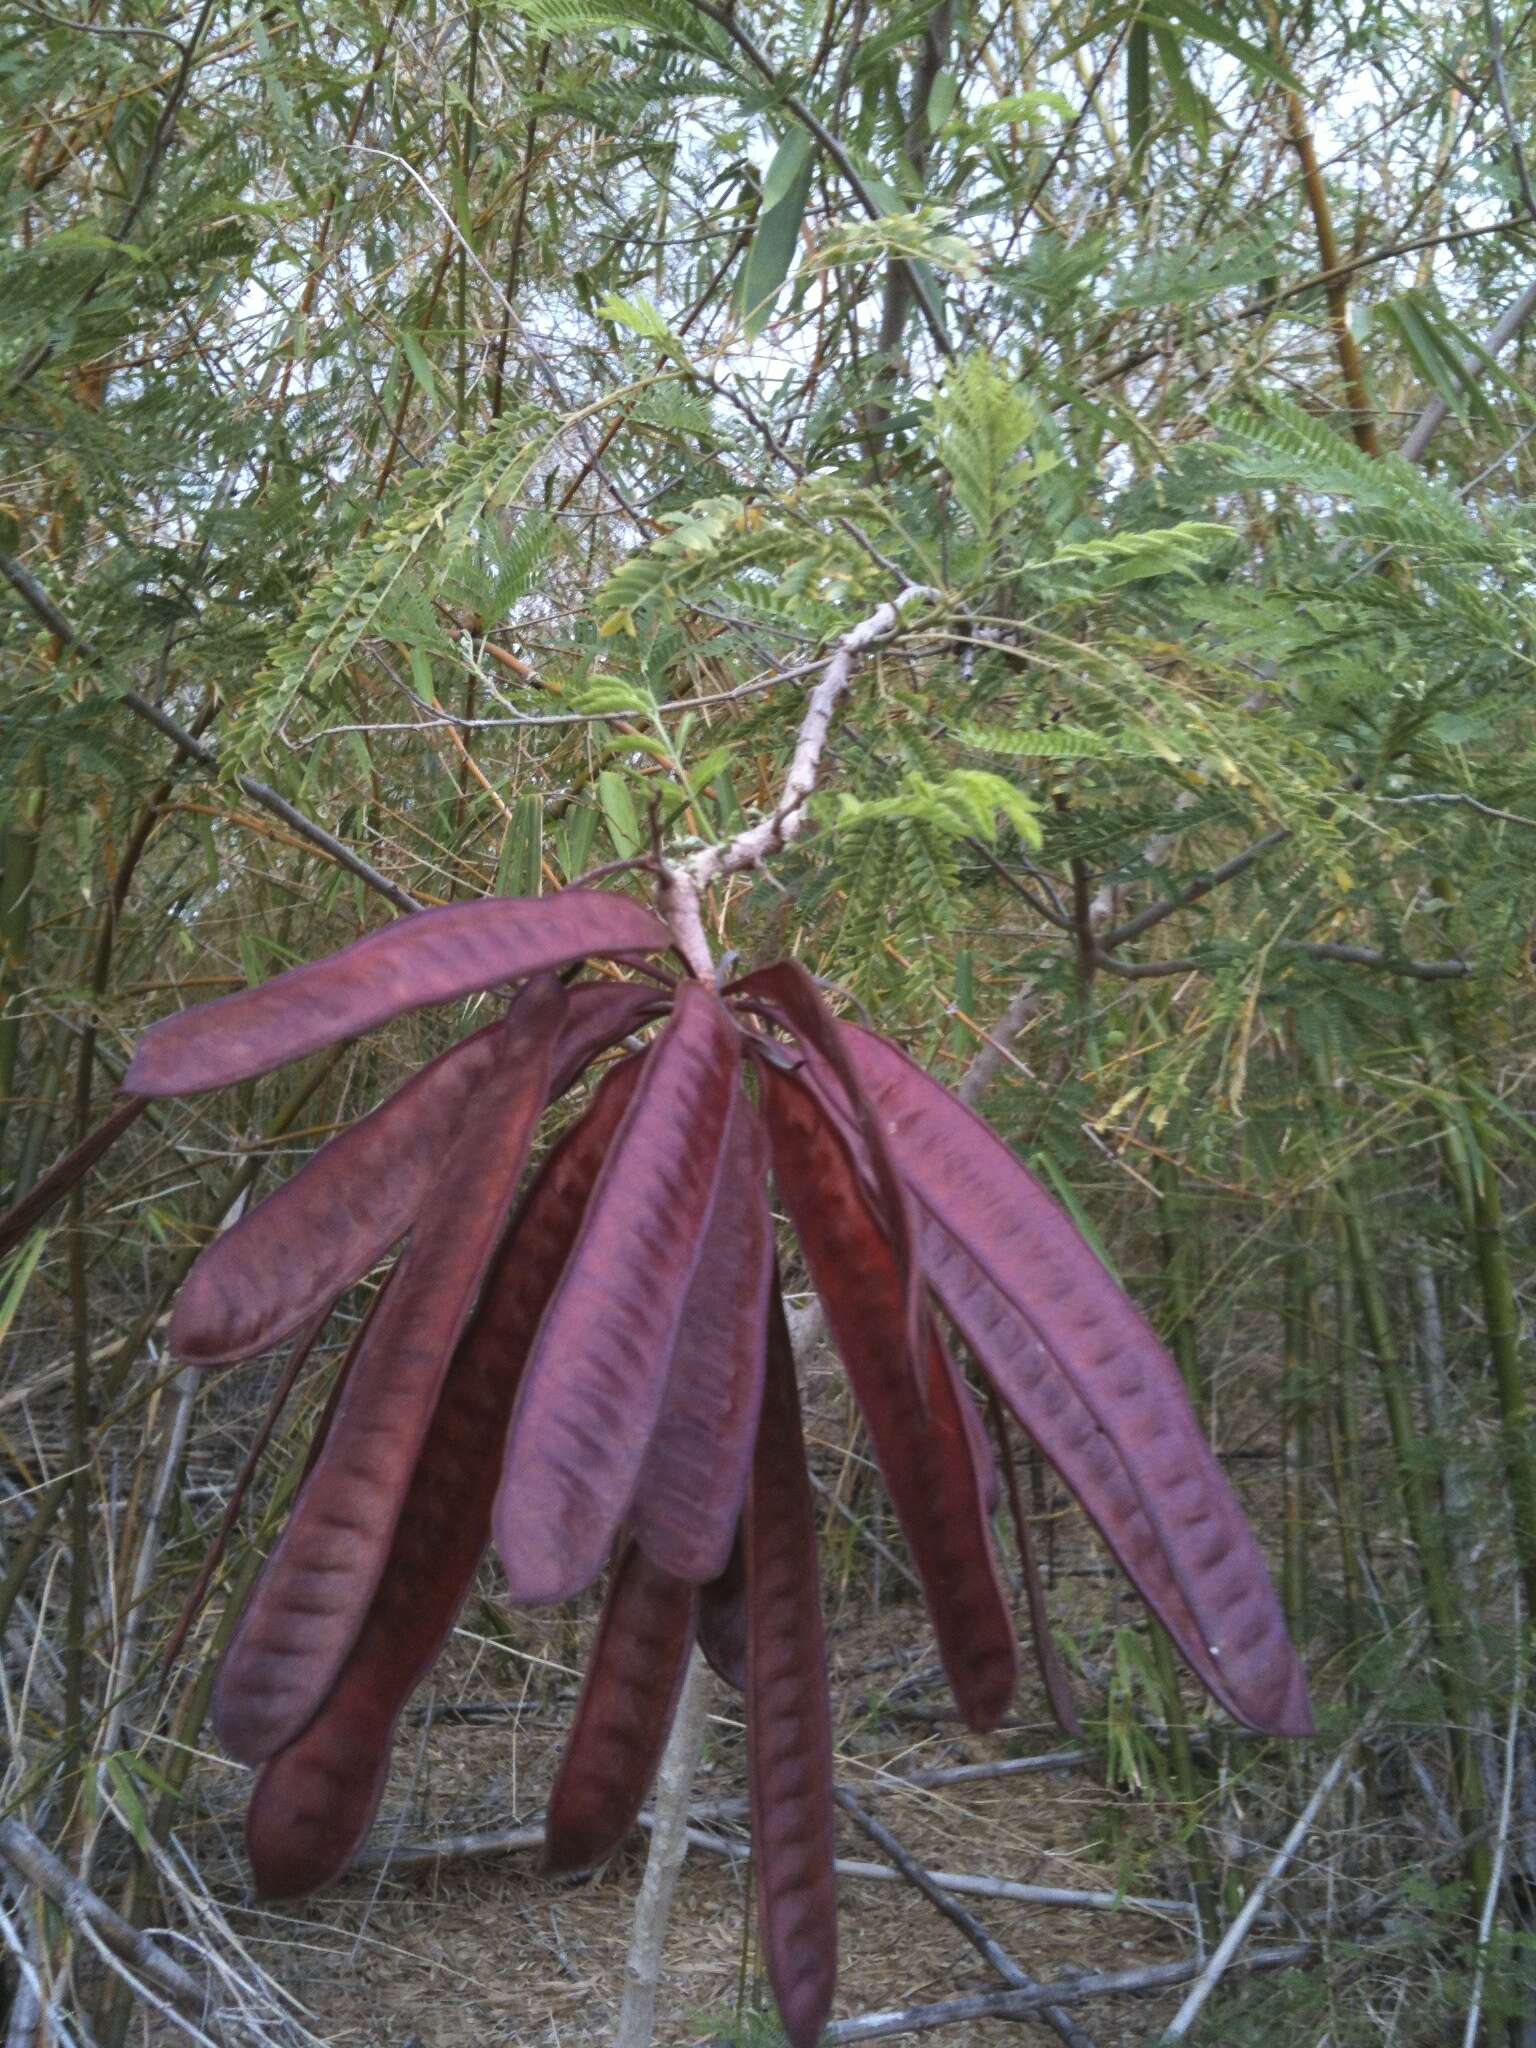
[723,1619]
[321,1231]
[928,1461]
[789,1725]
[314,1801]
[634,1675]
[434,956]
[598,1374]
[318,1233]
[688,1501]
[312,1599]
[793,1000]
[1012,1263]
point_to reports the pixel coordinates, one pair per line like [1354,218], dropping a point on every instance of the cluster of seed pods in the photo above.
[593,1371]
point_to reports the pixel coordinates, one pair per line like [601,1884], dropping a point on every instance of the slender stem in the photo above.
[669,1845]
[1424,1528]
[1501,1321]
[1351,366]
[18,874]
[1295,1575]
[42,607]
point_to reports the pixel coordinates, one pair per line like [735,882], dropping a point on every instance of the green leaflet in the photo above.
[786,188]
[1043,743]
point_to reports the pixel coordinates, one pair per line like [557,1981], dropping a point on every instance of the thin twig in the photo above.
[1495,30]
[1225,1952]
[43,608]
[682,886]
[87,1913]
[1014,2005]
[1501,1837]
[1154,914]
[996,1957]
[1458,796]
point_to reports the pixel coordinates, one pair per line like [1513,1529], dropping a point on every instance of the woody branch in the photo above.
[683,885]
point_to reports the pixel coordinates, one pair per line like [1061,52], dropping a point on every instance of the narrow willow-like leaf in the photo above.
[1094,1367]
[688,1501]
[321,1231]
[634,1675]
[596,1381]
[928,1461]
[313,1597]
[433,957]
[314,1801]
[789,1722]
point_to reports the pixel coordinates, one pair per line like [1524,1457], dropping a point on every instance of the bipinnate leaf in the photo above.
[321,1231]
[688,1501]
[434,956]
[598,1374]
[789,1722]
[722,1620]
[634,1675]
[311,1600]
[928,1460]
[1009,1266]
[315,1799]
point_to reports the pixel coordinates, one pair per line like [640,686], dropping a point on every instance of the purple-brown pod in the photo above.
[338,1216]
[789,1722]
[315,1799]
[313,1597]
[723,1619]
[688,1501]
[928,1459]
[598,1374]
[634,1675]
[792,999]
[1033,1271]
[434,956]
[321,1231]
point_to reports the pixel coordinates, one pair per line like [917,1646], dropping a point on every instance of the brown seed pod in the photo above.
[789,1724]
[312,1598]
[634,1675]
[598,1375]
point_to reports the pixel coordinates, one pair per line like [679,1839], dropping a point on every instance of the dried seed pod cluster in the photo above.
[598,1375]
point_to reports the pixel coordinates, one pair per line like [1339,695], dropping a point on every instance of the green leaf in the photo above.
[519,872]
[125,1793]
[19,1269]
[1138,90]
[619,814]
[942,95]
[786,188]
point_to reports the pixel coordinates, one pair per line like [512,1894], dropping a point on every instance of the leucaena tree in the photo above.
[585,1362]
[588,1365]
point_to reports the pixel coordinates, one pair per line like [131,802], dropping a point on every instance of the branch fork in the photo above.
[682,885]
